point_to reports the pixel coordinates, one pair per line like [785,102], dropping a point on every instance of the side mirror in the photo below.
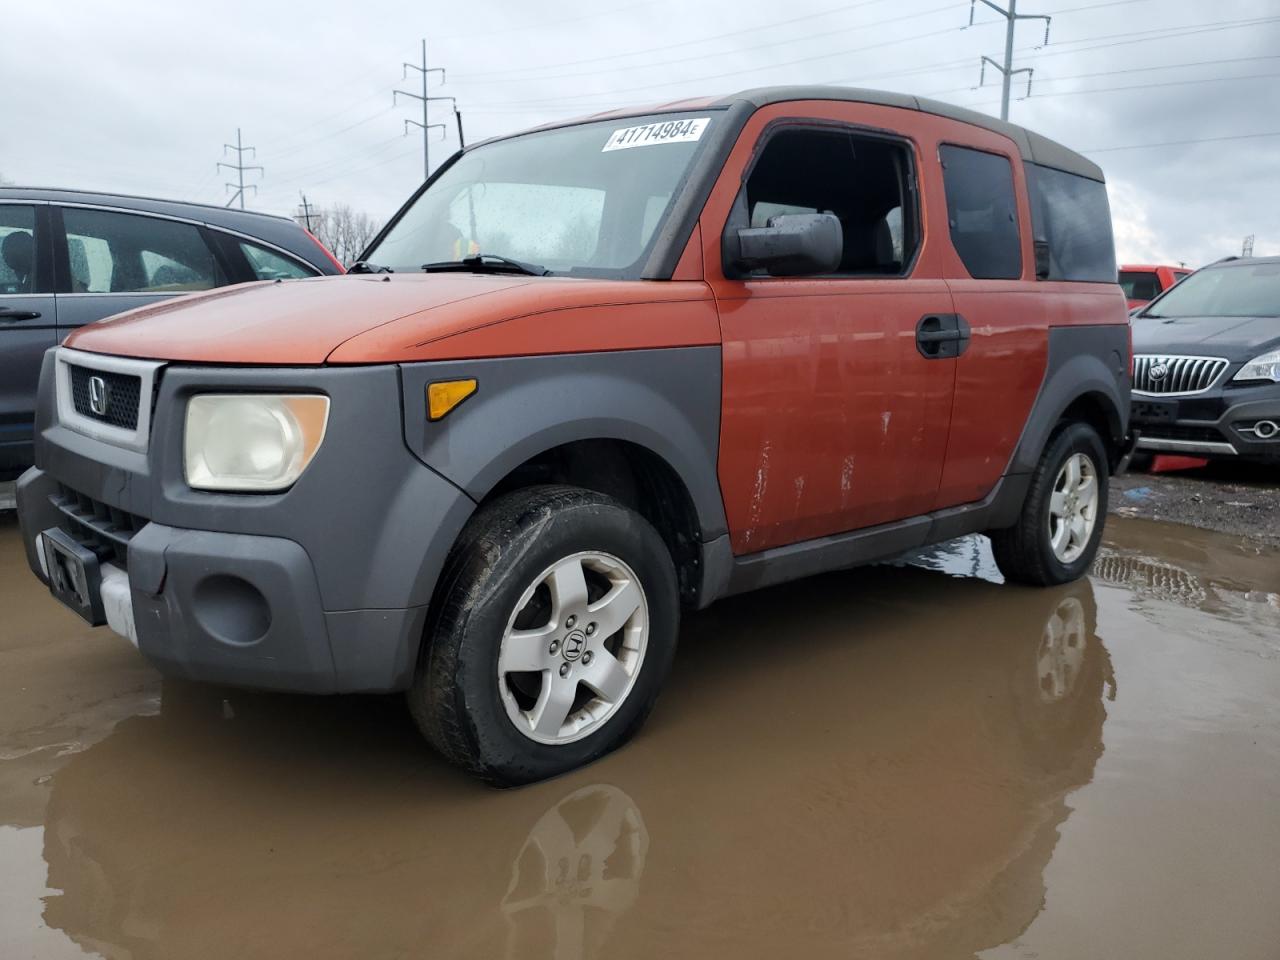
[1041,248]
[792,245]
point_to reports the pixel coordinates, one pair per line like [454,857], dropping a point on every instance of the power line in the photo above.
[240,168]
[613,68]
[1182,143]
[612,58]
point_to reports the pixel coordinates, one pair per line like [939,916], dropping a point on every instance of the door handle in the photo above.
[941,336]
[938,336]
[9,315]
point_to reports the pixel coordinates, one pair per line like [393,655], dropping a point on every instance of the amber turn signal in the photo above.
[447,394]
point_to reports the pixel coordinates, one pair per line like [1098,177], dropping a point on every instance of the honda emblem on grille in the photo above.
[99,396]
[1159,371]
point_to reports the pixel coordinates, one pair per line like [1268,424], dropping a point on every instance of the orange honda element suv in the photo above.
[588,376]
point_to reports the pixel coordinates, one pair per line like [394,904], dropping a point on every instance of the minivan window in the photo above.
[1247,290]
[128,253]
[1139,284]
[1072,214]
[866,182]
[583,200]
[17,249]
[272,266]
[982,211]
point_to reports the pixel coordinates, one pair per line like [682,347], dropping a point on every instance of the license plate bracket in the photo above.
[75,577]
[1154,411]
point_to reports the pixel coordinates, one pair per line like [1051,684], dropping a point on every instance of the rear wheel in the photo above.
[1057,535]
[556,627]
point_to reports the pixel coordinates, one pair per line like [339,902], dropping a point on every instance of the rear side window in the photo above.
[982,211]
[1139,284]
[272,266]
[1071,213]
[17,249]
[129,253]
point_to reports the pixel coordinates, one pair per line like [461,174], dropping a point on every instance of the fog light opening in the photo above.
[1265,429]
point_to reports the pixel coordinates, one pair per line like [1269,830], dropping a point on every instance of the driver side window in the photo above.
[863,180]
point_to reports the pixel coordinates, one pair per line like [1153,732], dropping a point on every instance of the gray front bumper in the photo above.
[323,588]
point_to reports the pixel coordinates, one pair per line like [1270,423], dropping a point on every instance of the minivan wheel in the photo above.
[1057,535]
[556,626]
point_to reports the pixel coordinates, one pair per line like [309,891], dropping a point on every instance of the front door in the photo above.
[27,326]
[835,415]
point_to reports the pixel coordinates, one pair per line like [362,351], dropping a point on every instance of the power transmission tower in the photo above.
[306,209]
[426,100]
[239,167]
[1247,249]
[1006,70]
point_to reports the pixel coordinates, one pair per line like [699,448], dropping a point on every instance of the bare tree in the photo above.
[346,232]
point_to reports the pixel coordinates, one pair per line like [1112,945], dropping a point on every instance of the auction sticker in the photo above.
[665,131]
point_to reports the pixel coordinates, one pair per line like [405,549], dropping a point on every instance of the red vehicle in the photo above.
[701,349]
[1142,284]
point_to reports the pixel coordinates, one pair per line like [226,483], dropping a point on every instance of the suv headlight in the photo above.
[251,442]
[1265,367]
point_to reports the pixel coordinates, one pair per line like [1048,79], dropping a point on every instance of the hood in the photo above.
[394,318]
[1236,338]
[299,321]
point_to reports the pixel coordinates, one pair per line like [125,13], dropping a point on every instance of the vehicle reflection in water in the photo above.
[877,763]
[578,872]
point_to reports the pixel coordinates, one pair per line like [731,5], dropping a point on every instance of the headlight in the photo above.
[1265,367]
[255,442]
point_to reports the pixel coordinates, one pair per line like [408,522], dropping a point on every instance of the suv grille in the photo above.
[112,400]
[1157,374]
[104,530]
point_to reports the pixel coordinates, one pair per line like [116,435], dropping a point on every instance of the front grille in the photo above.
[110,398]
[1157,374]
[103,529]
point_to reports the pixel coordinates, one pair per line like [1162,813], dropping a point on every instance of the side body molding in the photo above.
[665,400]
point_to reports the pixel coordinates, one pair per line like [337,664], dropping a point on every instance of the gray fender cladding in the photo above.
[666,401]
[1083,361]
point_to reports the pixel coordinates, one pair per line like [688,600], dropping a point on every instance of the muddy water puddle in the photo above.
[910,761]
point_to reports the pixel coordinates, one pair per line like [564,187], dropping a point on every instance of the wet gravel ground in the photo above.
[1234,498]
[910,760]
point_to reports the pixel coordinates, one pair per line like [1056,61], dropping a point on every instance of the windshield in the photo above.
[1246,290]
[584,200]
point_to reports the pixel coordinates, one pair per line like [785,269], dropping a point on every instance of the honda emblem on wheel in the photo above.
[99,396]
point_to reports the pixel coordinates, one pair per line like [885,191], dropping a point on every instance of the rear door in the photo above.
[110,261]
[27,323]
[992,278]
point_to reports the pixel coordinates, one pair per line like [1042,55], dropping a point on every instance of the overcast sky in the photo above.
[140,95]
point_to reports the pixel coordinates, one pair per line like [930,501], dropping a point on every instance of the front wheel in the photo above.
[557,625]
[1057,534]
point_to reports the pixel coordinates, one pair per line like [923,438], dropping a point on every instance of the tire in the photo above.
[497,665]
[1025,552]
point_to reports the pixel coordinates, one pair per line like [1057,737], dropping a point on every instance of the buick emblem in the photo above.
[99,396]
[1159,371]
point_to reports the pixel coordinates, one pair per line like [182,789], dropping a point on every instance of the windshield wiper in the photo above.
[364,266]
[487,262]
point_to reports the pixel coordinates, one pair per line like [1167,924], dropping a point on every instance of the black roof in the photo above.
[1034,147]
